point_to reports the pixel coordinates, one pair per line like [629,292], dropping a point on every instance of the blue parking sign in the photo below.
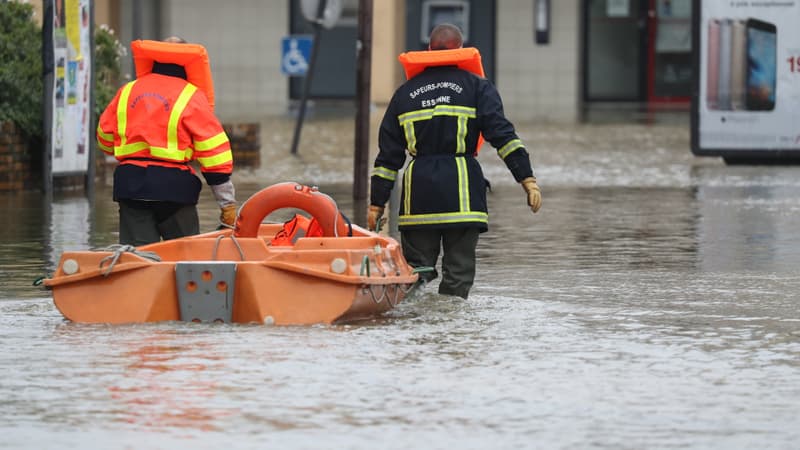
[296,54]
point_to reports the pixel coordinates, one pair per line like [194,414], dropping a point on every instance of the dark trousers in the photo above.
[145,222]
[421,249]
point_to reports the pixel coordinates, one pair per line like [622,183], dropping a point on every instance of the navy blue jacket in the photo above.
[437,117]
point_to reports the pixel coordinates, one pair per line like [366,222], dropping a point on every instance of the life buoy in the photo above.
[290,195]
[468,58]
[193,58]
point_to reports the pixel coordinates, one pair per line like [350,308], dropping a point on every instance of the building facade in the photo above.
[548,58]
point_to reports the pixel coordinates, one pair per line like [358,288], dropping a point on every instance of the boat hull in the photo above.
[318,280]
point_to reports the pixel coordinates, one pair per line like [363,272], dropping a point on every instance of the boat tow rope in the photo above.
[235,242]
[385,293]
[405,288]
[117,251]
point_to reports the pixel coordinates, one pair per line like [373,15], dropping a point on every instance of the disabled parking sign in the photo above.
[296,54]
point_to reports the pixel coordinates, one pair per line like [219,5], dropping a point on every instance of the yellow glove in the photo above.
[534,194]
[227,215]
[374,215]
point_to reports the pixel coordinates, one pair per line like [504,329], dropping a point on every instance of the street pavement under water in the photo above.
[651,303]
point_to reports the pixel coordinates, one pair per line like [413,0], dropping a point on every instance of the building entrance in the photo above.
[637,51]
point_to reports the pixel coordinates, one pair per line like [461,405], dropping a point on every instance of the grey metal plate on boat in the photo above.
[205,290]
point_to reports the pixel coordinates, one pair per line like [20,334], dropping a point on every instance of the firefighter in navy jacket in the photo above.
[437,117]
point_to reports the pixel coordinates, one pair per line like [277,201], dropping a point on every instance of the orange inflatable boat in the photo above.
[241,275]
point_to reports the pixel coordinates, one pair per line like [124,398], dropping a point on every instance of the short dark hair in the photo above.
[175,40]
[445,36]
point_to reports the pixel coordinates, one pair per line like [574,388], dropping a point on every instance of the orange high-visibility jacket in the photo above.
[164,120]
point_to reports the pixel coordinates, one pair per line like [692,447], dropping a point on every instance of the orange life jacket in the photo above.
[193,58]
[295,228]
[468,58]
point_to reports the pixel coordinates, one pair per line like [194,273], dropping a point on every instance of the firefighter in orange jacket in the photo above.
[155,127]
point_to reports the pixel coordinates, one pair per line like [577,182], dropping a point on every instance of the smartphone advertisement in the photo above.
[747,86]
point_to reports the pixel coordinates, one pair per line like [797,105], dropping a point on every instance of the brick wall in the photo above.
[245,144]
[16,171]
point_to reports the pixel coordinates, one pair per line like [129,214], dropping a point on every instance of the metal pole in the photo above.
[363,85]
[48,63]
[137,20]
[317,24]
[90,170]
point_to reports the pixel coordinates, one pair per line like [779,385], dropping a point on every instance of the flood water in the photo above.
[651,303]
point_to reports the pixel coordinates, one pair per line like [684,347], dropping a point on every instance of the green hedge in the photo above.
[21,89]
[21,86]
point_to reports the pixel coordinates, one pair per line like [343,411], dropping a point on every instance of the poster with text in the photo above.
[70,145]
[747,89]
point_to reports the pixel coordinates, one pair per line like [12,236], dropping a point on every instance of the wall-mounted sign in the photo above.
[71,131]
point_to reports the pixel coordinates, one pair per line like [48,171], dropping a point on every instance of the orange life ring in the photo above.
[193,58]
[468,58]
[290,195]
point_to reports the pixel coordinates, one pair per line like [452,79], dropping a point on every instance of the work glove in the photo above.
[227,216]
[374,215]
[534,194]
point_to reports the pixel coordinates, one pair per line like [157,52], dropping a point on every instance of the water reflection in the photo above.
[71,225]
[748,218]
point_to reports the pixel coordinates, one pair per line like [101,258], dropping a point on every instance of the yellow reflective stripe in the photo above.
[385,173]
[413,116]
[451,110]
[103,135]
[124,150]
[411,138]
[168,153]
[462,113]
[175,115]
[461,135]
[216,160]
[211,143]
[443,218]
[463,184]
[407,186]
[122,113]
[438,110]
[514,144]
[104,147]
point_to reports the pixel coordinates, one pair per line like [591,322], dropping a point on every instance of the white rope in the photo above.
[117,251]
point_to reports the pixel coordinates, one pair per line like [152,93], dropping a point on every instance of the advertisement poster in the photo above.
[747,88]
[70,145]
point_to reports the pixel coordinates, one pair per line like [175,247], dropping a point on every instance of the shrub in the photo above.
[108,53]
[21,88]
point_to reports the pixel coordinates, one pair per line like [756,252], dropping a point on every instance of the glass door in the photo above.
[615,55]
[669,56]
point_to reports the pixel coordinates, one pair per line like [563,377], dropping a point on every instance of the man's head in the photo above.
[175,40]
[445,36]
[173,70]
